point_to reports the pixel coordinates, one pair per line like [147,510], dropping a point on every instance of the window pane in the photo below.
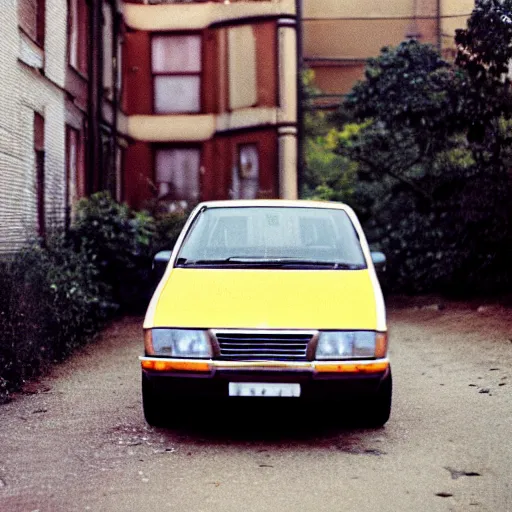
[73,33]
[177,173]
[83,24]
[246,181]
[175,54]
[177,94]
[108,35]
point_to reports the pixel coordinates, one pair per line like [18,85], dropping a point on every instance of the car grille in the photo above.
[263,346]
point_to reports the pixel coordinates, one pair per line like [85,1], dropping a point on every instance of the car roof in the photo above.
[290,203]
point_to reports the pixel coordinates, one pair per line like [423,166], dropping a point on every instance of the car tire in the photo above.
[151,404]
[378,407]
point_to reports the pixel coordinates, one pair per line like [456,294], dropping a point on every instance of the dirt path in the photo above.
[81,442]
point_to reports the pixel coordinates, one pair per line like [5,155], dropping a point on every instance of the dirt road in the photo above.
[79,442]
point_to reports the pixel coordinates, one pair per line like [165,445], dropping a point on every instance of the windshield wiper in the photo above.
[272,262]
[299,262]
[184,262]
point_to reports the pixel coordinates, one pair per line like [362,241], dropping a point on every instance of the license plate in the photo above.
[271,389]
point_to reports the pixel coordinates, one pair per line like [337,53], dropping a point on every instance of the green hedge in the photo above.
[52,302]
[56,296]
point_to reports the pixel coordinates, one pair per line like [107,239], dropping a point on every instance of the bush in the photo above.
[168,228]
[460,243]
[432,146]
[57,295]
[120,242]
[52,301]
[123,243]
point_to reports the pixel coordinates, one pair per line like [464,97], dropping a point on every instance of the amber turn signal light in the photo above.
[381,345]
[175,366]
[148,343]
[377,367]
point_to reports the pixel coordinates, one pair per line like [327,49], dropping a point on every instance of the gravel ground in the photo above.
[77,440]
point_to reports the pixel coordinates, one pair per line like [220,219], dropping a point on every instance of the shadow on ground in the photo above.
[264,421]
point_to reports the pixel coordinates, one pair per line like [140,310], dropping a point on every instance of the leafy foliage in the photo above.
[167,229]
[327,175]
[52,301]
[432,196]
[413,79]
[56,296]
[120,242]
[409,111]
[485,52]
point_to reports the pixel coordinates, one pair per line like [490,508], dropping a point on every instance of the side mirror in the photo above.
[160,262]
[379,260]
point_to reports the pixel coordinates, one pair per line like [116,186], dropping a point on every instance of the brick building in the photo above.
[58,111]
[209,101]
[32,117]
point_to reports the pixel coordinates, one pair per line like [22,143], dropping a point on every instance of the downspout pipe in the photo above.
[439,27]
[102,172]
[94,161]
[116,42]
[91,131]
[300,109]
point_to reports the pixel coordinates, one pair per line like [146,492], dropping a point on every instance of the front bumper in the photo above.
[318,379]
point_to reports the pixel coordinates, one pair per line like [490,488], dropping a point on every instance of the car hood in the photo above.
[265,299]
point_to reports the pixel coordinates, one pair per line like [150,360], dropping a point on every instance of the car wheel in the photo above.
[151,404]
[378,407]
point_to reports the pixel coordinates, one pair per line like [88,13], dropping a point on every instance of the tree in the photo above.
[431,194]
[409,104]
[327,175]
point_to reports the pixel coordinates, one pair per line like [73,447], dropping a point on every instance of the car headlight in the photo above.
[351,344]
[177,343]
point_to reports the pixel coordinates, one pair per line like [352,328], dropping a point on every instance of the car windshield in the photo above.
[272,236]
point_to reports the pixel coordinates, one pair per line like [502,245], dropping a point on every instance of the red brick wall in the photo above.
[266,54]
[138,84]
[218,156]
[209,74]
[138,174]
[137,81]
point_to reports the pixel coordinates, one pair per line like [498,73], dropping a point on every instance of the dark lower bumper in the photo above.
[313,386]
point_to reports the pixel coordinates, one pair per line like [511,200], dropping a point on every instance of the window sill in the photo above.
[30,53]
[177,113]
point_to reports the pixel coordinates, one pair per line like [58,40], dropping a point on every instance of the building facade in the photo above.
[92,86]
[58,140]
[209,102]
[165,103]
[340,36]
[32,118]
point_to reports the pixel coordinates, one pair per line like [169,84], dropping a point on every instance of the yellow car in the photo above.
[268,299]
